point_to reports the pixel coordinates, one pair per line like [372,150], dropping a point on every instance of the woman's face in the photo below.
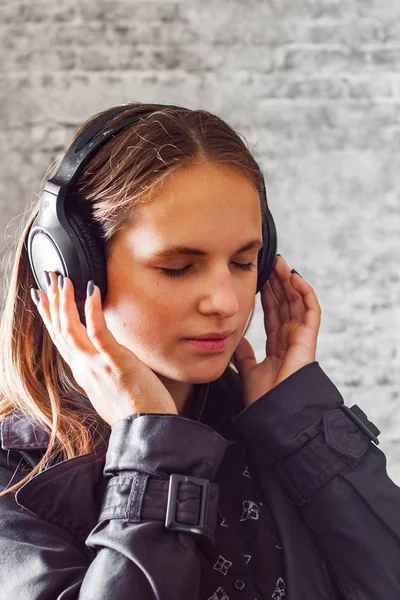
[208,207]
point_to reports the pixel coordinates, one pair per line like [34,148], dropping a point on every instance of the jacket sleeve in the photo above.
[129,551]
[321,451]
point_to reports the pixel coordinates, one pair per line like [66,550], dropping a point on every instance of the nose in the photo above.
[221,295]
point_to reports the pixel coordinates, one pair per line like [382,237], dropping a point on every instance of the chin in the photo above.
[201,373]
[195,374]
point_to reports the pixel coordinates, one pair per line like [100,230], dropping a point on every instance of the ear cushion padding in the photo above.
[94,251]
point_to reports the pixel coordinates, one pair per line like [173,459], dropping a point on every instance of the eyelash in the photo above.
[179,272]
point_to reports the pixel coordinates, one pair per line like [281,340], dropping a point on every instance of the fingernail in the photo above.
[35,296]
[60,282]
[47,277]
[278,254]
[90,286]
[294,271]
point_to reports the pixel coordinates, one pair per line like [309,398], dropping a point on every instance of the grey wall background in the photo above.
[315,89]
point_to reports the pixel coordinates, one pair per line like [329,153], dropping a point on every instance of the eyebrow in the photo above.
[256,243]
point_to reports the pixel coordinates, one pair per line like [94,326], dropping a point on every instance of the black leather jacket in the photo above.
[95,527]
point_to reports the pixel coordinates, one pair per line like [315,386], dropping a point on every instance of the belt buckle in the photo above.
[170,520]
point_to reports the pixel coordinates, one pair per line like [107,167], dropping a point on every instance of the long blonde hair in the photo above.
[34,378]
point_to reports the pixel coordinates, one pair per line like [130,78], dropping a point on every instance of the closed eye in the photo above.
[179,272]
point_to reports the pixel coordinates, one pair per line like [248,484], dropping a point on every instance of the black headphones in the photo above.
[67,243]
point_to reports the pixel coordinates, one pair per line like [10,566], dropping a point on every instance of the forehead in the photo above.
[198,208]
[202,193]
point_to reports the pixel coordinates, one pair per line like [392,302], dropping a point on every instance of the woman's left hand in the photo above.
[292,316]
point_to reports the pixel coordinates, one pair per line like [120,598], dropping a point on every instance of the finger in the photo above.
[72,330]
[270,306]
[296,304]
[312,314]
[272,320]
[280,295]
[98,332]
[294,298]
[52,295]
[44,311]
[244,357]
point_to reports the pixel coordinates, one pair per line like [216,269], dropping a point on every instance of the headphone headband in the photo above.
[89,141]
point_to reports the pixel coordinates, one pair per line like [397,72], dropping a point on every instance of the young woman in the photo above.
[136,460]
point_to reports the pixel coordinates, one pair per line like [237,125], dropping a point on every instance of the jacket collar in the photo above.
[18,432]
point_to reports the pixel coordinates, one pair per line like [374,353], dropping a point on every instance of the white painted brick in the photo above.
[24,11]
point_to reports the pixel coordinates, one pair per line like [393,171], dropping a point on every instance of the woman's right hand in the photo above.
[115,380]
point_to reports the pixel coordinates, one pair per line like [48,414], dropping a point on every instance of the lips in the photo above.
[212,336]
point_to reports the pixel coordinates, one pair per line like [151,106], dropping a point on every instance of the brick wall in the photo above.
[315,89]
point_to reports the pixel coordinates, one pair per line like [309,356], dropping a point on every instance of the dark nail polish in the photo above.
[90,287]
[35,296]
[47,277]
[60,282]
[278,254]
[294,271]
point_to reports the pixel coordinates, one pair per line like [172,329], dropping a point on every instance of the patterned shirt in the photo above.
[248,557]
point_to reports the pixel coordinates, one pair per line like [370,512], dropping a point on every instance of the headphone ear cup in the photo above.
[95,254]
[267,253]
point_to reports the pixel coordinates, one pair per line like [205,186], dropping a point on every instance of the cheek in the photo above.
[141,320]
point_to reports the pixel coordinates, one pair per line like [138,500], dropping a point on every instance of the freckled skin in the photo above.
[206,206]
